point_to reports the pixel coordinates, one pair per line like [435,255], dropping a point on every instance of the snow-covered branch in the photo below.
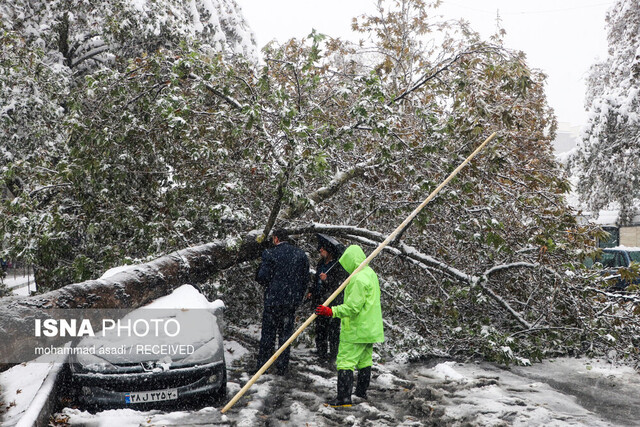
[413,254]
[326,192]
[89,55]
[503,303]
[228,99]
[433,74]
[634,298]
[503,267]
[47,187]
[398,248]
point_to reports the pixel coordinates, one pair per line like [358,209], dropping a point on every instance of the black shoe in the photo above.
[337,403]
[345,385]
[364,378]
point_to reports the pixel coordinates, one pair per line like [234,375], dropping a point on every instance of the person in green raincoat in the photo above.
[360,326]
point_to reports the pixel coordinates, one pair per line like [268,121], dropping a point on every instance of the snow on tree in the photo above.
[48,49]
[608,159]
[47,46]
[83,36]
[32,95]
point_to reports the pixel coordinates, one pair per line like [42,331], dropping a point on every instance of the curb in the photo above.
[44,402]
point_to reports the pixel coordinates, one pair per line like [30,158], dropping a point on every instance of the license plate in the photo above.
[151,396]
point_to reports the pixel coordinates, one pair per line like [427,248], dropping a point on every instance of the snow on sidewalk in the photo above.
[18,387]
[20,284]
[561,392]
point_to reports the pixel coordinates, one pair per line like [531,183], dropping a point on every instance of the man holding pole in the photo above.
[284,274]
[360,326]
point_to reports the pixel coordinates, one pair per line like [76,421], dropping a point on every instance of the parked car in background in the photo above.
[180,363]
[612,260]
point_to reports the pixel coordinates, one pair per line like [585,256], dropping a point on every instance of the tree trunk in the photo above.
[129,289]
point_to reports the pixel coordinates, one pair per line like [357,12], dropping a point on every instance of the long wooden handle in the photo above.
[357,270]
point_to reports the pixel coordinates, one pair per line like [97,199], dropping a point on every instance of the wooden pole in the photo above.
[373,254]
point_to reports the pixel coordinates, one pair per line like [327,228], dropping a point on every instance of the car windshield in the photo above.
[608,259]
[635,256]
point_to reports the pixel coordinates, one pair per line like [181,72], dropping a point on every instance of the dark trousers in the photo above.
[277,321]
[327,336]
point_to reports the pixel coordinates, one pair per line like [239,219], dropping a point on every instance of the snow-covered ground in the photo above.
[18,387]
[561,392]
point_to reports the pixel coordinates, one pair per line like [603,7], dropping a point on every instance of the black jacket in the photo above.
[321,290]
[284,273]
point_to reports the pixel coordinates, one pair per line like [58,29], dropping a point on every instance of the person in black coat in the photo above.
[284,275]
[329,276]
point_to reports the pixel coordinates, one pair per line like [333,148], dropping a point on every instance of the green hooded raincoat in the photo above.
[360,314]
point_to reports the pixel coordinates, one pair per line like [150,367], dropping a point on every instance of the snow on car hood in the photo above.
[167,330]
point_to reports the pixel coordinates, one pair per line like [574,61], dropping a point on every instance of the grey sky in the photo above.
[561,37]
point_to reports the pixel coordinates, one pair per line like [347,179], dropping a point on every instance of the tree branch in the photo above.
[46,187]
[407,251]
[614,295]
[324,193]
[395,248]
[427,77]
[229,100]
[275,210]
[503,303]
[91,54]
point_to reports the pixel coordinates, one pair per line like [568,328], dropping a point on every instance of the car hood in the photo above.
[125,346]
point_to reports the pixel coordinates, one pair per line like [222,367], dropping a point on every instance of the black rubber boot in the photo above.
[345,386]
[364,378]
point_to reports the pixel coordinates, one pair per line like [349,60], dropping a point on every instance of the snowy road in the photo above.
[565,392]
[614,393]
[20,284]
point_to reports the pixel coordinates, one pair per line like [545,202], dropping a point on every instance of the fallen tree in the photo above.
[137,285]
[140,284]
[207,148]
[128,289]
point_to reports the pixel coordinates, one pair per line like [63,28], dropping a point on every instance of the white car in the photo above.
[167,353]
